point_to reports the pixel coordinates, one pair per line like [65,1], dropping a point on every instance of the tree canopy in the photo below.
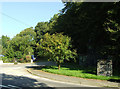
[58,47]
[91,28]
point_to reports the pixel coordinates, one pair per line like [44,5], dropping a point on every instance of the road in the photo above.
[16,77]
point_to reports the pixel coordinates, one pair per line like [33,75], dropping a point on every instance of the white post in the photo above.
[1,62]
[31,60]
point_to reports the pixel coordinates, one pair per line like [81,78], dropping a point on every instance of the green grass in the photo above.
[77,71]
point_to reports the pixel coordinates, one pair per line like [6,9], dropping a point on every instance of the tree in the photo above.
[0,49]
[22,43]
[52,22]
[10,53]
[93,27]
[41,28]
[4,42]
[29,50]
[1,46]
[58,46]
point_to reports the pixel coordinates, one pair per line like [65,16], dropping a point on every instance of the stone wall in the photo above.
[104,67]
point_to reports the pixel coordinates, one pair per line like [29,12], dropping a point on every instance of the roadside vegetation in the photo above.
[78,71]
[81,33]
[58,47]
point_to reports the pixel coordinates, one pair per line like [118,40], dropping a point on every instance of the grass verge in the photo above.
[77,71]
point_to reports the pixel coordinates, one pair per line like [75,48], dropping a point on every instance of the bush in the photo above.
[7,60]
[15,63]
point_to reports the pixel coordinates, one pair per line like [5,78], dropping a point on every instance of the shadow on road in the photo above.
[39,65]
[46,63]
[114,80]
[20,81]
[35,67]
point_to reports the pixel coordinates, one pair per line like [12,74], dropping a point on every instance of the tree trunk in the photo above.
[59,66]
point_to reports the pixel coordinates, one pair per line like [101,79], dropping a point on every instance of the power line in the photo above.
[14,19]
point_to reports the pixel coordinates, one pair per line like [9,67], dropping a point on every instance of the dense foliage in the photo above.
[58,47]
[94,29]
[20,46]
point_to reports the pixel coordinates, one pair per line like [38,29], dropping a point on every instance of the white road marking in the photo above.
[46,79]
[4,86]
[10,86]
[14,86]
[20,71]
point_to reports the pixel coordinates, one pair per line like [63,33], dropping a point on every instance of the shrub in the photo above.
[7,60]
[15,63]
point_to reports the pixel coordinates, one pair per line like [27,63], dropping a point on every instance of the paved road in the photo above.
[15,77]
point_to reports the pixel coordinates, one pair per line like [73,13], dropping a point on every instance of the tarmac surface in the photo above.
[76,80]
[23,75]
[17,77]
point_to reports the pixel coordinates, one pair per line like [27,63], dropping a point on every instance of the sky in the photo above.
[17,16]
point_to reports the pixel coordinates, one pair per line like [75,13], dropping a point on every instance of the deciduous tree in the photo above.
[58,46]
